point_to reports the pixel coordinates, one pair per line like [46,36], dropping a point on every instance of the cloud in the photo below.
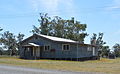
[115,5]
[53,6]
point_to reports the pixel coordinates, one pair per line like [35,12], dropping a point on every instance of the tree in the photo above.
[9,42]
[105,51]
[1,50]
[75,30]
[0,34]
[98,41]
[19,39]
[93,39]
[35,30]
[116,48]
[44,23]
[56,26]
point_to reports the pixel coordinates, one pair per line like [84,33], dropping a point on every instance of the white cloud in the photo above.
[53,6]
[115,5]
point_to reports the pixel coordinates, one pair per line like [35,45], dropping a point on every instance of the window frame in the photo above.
[66,47]
[47,47]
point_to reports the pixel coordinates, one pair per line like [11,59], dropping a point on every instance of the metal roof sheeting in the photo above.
[57,39]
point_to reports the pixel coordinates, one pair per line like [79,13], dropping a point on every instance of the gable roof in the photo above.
[57,38]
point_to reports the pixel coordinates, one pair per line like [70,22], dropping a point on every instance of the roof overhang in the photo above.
[33,44]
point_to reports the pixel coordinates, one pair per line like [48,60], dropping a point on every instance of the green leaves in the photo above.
[44,23]
[116,48]
[20,37]
[56,26]
[35,30]
[11,42]
[103,50]
[97,40]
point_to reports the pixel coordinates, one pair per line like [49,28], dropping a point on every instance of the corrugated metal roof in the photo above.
[57,39]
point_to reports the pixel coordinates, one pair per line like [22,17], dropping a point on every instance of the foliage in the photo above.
[97,40]
[1,50]
[1,29]
[103,50]
[11,42]
[0,34]
[35,30]
[117,49]
[56,26]
[19,39]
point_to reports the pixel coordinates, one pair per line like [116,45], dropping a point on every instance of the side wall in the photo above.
[87,51]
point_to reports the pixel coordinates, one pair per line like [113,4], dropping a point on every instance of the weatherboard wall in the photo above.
[76,51]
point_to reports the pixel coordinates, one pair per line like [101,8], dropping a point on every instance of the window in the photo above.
[46,48]
[66,47]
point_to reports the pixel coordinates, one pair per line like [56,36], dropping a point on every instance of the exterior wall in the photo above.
[87,51]
[57,47]
[59,53]
[64,53]
[96,51]
[83,51]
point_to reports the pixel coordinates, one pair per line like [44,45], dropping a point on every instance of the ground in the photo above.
[110,66]
[6,69]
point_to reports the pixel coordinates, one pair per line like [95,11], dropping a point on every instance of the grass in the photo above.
[110,66]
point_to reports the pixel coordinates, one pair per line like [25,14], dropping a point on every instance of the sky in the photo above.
[99,15]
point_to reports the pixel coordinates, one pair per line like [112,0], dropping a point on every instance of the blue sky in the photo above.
[99,15]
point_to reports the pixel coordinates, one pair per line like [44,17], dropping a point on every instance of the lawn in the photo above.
[110,66]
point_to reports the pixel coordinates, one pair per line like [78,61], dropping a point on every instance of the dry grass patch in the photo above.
[110,66]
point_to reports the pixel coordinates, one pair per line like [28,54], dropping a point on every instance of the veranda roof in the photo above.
[34,44]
